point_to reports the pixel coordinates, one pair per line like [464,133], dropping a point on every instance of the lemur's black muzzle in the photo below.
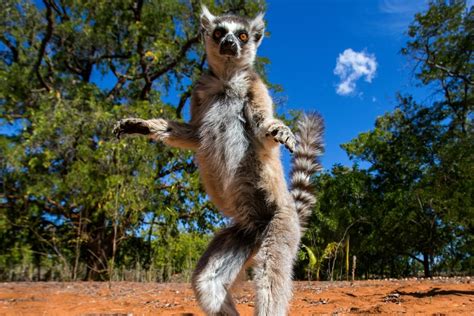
[229,46]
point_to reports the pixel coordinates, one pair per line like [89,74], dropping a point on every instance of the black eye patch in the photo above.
[218,33]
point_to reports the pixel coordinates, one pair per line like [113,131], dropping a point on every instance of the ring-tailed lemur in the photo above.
[235,138]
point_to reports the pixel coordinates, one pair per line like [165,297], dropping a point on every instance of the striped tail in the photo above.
[309,147]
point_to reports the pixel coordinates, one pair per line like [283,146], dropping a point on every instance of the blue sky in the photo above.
[306,39]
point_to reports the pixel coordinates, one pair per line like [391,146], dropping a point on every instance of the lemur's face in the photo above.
[231,38]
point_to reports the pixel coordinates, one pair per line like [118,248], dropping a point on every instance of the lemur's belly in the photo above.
[226,158]
[239,196]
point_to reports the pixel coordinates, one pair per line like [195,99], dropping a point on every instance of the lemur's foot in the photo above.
[282,134]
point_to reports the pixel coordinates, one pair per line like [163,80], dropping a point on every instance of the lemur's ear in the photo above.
[207,19]
[257,25]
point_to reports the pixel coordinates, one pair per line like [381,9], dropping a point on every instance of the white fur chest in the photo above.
[224,139]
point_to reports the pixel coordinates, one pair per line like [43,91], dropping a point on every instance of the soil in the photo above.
[433,297]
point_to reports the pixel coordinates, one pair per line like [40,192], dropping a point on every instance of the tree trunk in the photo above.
[38,267]
[426,265]
[347,256]
[354,264]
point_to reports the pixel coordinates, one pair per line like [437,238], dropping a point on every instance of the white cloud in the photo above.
[351,66]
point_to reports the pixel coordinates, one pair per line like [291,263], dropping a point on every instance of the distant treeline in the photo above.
[76,204]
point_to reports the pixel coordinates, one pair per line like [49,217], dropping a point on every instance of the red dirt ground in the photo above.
[433,297]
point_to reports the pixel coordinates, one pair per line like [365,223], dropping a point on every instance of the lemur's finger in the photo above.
[117,130]
[291,147]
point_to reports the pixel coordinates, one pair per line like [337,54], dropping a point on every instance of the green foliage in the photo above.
[316,259]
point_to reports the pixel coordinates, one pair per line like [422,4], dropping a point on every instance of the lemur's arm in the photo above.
[260,113]
[175,134]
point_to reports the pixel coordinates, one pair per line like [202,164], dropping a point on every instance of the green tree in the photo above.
[412,208]
[421,155]
[342,212]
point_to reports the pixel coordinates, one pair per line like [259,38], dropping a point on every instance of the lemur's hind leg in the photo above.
[274,264]
[219,267]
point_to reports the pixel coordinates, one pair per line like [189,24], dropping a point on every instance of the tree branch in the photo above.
[44,43]
[412,256]
[430,60]
[137,12]
[449,72]
[185,96]
[121,79]
[10,46]
[190,167]
[184,49]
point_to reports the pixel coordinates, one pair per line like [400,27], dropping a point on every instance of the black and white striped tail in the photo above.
[309,147]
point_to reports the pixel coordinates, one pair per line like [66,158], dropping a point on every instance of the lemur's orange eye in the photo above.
[243,37]
[217,33]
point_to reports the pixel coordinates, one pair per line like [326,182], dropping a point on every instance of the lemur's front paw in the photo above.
[131,126]
[282,134]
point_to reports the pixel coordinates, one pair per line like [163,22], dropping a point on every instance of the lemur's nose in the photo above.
[229,46]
